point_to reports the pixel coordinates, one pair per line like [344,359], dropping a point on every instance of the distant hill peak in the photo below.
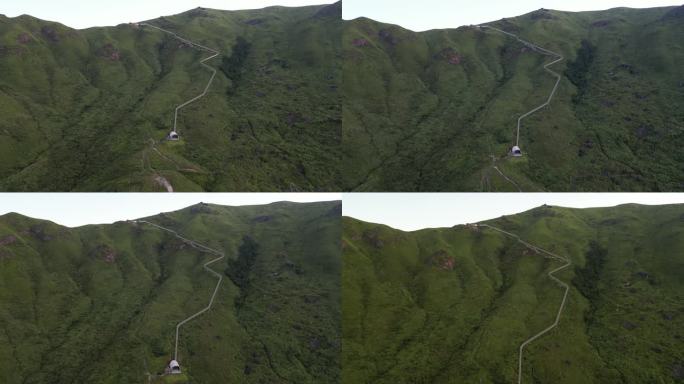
[332,10]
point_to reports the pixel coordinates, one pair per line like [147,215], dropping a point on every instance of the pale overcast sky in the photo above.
[90,13]
[421,15]
[411,211]
[75,209]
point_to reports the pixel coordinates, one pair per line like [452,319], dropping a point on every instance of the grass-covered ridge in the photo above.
[427,111]
[99,303]
[82,108]
[453,305]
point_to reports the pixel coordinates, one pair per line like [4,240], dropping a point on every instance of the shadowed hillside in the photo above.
[436,110]
[453,305]
[100,303]
[88,110]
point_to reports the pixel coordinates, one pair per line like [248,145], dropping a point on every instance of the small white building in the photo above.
[174,367]
[173,136]
[515,151]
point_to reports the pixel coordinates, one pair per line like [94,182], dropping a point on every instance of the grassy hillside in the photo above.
[430,111]
[99,303]
[453,305]
[87,110]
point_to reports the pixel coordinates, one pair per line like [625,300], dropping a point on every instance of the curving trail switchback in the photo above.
[551,275]
[202,62]
[201,248]
[558,58]
[214,53]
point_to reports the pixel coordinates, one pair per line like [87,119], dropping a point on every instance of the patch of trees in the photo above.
[238,270]
[578,69]
[587,279]
[232,65]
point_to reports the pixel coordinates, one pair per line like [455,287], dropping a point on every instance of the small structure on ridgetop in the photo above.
[173,136]
[174,367]
[515,151]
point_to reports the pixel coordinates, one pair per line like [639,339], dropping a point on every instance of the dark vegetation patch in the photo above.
[255,21]
[387,37]
[50,34]
[232,66]
[600,23]
[587,279]
[293,118]
[262,219]
[644,131]
[239,269]
[628,325]
[629,68]
[38,232]
[578,69]
[372,237]
[585,147]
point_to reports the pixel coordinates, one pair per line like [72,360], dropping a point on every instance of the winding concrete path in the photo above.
[201,248]
[543,51]
[159,179]
[558,58]
[202,62]
[550,274]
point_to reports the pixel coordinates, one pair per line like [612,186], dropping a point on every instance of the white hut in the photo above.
[515,151]
[174,367]
[174,136]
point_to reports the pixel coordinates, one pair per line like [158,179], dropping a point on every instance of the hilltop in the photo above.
[100,303]
[88,110]
[437,110]
[453,305]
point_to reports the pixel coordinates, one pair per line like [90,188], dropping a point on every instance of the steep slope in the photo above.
[435,111]
[453,305]
[88,110]
[100,303]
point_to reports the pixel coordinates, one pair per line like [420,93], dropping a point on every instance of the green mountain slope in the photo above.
[453,305]
[436,110]
[100,303]
[88,110]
